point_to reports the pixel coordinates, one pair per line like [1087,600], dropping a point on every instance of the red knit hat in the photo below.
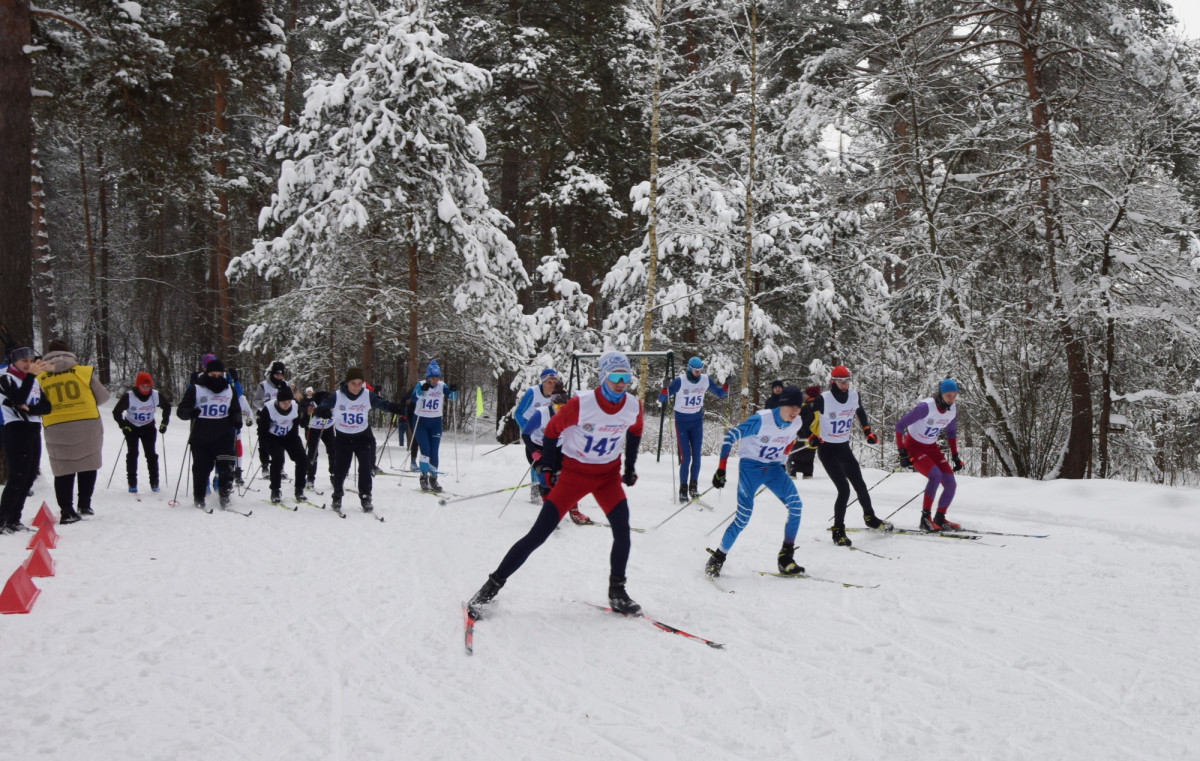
[839,372]
[143,379]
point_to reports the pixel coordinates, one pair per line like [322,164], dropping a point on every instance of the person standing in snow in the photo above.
[429,396]
[349,406]
[802,456]
[264,396]
[835,410]
[765,439]
[134,413]
[320,431]
[214,405]
[773,400]
[281,435]
[533,400]
[21,404]
[581,455]
[74,432]
[916,437]
[689,390]
[534,436]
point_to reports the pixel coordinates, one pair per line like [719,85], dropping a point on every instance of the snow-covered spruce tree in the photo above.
[380,200]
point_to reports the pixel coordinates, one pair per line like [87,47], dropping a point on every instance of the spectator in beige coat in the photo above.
[74,434]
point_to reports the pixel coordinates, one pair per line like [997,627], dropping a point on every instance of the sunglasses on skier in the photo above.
[619,377]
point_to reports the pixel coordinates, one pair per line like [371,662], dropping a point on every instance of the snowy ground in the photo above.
[171,634]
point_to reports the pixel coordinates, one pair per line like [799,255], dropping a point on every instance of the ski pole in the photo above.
[253,473]
[391,428]
[685,505]
[483,494]
[898,509]
[722,523]
[510,497]
[872,486]
[497,449]
[187,456]
[165,468]
[114,470]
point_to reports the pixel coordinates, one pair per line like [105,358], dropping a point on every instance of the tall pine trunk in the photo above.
[43,273]
[748,275]
[223,249]
[103,347]
[16,135]
[652,210]
[1078,455]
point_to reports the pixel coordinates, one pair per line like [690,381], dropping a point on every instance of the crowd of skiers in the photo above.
[56,397]
[574,444]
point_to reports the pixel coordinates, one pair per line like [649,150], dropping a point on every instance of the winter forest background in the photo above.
[1005,192]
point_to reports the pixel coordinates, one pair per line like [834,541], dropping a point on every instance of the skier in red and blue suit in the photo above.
[764,440]
[581,455]
[916,438]
[689,390]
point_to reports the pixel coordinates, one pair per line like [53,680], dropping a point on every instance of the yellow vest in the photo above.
[70,396]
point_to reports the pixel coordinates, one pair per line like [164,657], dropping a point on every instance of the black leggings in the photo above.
[843,470]
[146,434]
[23,451]
[543,527]
[276,447]
[64,486]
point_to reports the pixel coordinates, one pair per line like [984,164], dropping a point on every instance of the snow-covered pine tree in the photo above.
[380,201]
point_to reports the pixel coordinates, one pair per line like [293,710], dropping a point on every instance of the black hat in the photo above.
[354,373]
[278,368]
[214,366]
[284,395]
[23,352]
[791,396]
[775,383]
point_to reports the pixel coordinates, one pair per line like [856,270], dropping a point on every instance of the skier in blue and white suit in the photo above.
[688,390]
[428,430]
[532,401]
[765,439]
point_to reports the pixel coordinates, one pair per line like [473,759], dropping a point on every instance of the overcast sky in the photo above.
[1188,12]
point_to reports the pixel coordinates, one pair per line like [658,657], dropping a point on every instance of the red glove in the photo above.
[871,437]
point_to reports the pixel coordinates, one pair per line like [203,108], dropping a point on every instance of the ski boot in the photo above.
[68,516]
[225,500]
[300,496]
[713,567]
[683,494]
[787,566]
[694,489]
[154,488]
[578,518]
[839,536]
[484,597]
[413,467]
[276,496]
[927,523]
[424,482]
[945,523]
[434,486]
[872,521]
[133,489]
[336,504]
[365,502]
[237,477]
[85,508]
[618,598]
[200,504]
[535,493]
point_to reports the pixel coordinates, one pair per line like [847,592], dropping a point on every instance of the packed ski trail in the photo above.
[169,633]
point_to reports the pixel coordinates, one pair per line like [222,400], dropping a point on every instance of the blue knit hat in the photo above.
[696,363]
[547,374]
[433,371]
[946,385]
[614,362]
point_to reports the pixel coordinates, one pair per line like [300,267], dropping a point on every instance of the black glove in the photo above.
[162,428]
[424,385]
[630,478]
[871,437]
[958,463]
[814,441]
[454,388]
[126,429]
[905,462]
[719,478]
[323,412]
[545,477]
